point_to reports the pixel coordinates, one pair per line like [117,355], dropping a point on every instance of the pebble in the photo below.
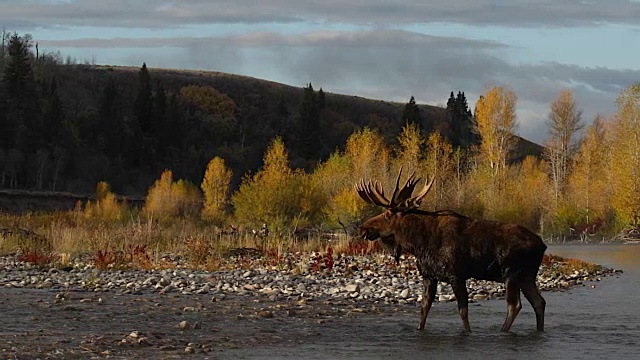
[381,282]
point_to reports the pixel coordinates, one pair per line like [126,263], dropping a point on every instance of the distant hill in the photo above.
[187,123]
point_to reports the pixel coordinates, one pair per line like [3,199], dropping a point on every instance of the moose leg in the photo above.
[462,296]
[513,303]
[531,292]
[428,295]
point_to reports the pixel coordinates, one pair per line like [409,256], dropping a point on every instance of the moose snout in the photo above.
[368,234]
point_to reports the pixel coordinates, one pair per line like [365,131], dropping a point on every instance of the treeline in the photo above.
[586,186]
[65,127]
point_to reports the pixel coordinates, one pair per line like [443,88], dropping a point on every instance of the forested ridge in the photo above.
[66,126]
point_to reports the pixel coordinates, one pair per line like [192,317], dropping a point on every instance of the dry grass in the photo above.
[567,265]
[133,241]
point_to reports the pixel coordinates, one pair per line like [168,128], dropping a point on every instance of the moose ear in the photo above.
[388,214]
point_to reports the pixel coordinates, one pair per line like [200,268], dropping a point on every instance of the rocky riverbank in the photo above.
[248,305]
[374,278]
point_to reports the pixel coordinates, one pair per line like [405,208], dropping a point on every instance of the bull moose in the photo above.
[451,247]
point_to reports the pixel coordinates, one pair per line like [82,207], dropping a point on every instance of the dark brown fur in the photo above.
[453,248]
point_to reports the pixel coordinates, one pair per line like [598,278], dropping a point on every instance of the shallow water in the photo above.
[590,322]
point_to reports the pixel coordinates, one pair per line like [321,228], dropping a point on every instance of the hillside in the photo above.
[93,128]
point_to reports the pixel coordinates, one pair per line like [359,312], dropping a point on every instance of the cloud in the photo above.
[331,38]
[163,14]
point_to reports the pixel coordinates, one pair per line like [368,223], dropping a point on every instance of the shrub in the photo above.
[278,196]
[167,199]
[106,205]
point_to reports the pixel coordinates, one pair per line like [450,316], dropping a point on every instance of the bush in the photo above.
[278,196]
[106,205]
[167,199]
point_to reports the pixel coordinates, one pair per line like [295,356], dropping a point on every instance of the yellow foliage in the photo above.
[106,205]
[495,123]
[529,192]
[564,123]
[209,100]
[410,152]
[276,160]
[587,184]
[103,189]
[439,165]
[368,154]
[215,186]
[276,195]
[335,174]
[345,207]
[336,183]
[625,161]
[167,199]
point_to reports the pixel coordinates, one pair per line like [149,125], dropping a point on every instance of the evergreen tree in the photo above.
[322,102]
[142,149]
[309,124]
[451,103]
[21,103]
[144,100]
[53,116]
[280,121]
[460,120]
[112,134]
[172,134]
[411,113]
[160,110]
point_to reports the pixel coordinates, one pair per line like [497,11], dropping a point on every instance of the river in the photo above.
[600,320]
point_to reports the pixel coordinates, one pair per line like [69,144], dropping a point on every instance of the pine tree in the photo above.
[5,136]
[172,135]
[451,103]
[280,122]
[144,100]
[460,120]
[309,124]
[411,113]
[159,109]
[112,133]
[322,101]
[21,112]
[53,116]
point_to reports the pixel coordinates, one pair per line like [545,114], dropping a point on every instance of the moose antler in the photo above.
[370,193]
[401,199]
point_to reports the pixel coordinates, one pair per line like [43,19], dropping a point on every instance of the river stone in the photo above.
[351,288]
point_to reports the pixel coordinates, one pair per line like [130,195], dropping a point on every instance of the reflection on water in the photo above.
[623,257]
[598,321]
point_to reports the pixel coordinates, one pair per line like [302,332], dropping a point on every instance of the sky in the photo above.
[379,49]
